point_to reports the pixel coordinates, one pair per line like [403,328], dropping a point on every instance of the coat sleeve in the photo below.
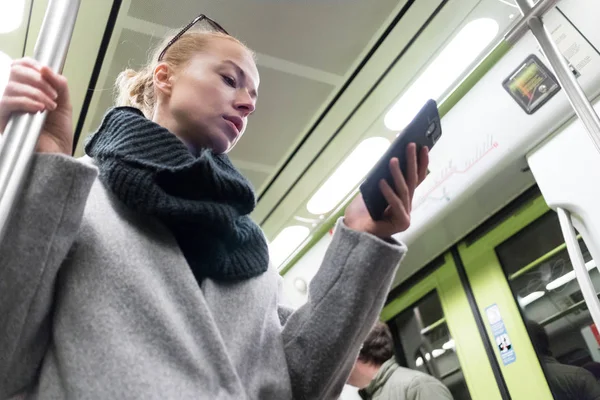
[40,232]
[322,338]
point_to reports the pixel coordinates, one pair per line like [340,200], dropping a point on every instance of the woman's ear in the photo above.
[162,78]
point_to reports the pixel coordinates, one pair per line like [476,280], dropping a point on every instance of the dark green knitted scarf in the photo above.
[201,198]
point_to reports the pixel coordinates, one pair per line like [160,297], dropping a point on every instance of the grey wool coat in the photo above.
[97,302]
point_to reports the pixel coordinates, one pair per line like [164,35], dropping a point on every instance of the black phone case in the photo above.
[424,130]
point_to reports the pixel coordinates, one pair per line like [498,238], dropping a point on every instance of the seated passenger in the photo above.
[379,377]
[567,382]
[137,272]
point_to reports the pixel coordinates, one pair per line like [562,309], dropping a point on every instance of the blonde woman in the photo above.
[136,272]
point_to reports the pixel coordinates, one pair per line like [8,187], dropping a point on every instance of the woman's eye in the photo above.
[229,80]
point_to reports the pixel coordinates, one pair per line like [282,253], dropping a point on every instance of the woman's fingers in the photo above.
[21,90]
[412,173]
[402,190]
[423,162]
[20,105]
[400,199]
[405,184]
[398,213]
[59,84]
[26,75]
[29,62]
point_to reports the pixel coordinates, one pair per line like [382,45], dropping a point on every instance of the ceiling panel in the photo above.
[327,35]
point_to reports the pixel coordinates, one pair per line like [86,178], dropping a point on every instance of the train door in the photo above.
[535,316]
[435,332]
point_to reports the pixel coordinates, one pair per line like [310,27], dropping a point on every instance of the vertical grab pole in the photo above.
[580,103]
[581,272]
[18,142]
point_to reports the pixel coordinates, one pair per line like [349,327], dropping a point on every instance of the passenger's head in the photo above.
[202,89]
[376,350]
[539,337]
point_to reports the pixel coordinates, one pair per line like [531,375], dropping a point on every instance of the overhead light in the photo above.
[349,174]
[300,285]
[449,345]
[530,298]
[11,16]
[448,66]
[437,352]
[568,277]
[558,282]
[286,242]
[5,63]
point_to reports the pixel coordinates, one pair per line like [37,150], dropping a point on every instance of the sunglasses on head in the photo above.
[212,25]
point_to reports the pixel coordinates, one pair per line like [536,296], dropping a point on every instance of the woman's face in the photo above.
[207,101]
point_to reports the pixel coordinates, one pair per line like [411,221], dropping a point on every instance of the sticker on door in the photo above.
[501,338]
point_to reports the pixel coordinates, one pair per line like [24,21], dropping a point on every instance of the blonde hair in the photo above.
[136,88]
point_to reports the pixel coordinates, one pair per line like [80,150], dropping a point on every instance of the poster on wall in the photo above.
[501,338]
[531,84]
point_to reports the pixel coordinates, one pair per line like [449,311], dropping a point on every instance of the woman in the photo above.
[136,272]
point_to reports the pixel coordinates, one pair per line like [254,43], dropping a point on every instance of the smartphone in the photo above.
[424,130]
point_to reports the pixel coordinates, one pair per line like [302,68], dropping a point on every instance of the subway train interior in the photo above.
[505,229]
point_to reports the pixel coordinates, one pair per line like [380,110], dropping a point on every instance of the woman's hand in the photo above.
[396,217]
[34,88]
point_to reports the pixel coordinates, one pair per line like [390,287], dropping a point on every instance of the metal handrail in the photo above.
[581,272]
[23,130]
[580,103]
[522,27]
[433,326]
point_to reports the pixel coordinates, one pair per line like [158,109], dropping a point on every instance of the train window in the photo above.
[527,246]
[423,343]
[543,282]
